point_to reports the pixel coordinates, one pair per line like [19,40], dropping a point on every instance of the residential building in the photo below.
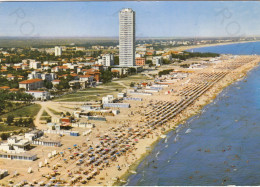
[58,51]
[167,56]
[157,60]
[32,84]
[10,77]
[139,55]
[127,38]
[55,82]
[34,75]
[34,65]
[48,76]
[93,72]
[43,76]
[39,95]
[4,88]
[140,61]
[82,84]
[89,79]
[108,60]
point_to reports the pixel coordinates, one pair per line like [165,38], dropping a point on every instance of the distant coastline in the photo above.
[188,47]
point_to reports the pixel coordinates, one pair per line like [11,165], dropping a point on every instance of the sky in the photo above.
[153,19]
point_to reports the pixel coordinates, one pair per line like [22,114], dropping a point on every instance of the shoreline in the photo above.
[184,48]
[211,99]
[149,117]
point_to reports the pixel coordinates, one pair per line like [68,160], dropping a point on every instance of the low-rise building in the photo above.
[55,82]
[140,61]
[167,56]
[34,65]
[39,95]
[108,60]
[15,144]
[108,99]
[157,60]
[32,84]
[32,135]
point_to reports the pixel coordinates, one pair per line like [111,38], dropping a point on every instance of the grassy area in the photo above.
[54,111]
[30,111]
[96,94]
[46,118]
[45,114]
[93,93]
[135,78]
[6,128]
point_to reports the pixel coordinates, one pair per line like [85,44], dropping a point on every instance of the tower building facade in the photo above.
[127,37]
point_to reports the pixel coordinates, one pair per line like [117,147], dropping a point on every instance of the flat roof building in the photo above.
[127,37]
[58,51]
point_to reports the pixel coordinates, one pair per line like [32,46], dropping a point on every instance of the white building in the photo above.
[108,99]
[34,75]
[48,76]
[121,95]
[43,76]
[167,57]
[15,144]
[157,60]
[35,65]
[127,37]
[32,135]
[58,51]
[39,95]
[108,60]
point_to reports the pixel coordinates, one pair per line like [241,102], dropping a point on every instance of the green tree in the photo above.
[165,72]
[106,76]
[10,119]
[4,136]
[116,60]
[132,71]
[132,84]
[47,84]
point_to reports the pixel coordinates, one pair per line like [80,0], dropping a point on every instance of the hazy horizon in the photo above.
[164,19]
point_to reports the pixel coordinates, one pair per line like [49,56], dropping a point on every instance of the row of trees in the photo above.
[14,96]
[28,122]
[11,84]
[6,96]
[186,55]
[165,72]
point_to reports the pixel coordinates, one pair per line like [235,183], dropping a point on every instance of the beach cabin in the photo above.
[108,99]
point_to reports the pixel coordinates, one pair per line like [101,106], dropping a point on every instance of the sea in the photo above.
[249,48]
[219,146]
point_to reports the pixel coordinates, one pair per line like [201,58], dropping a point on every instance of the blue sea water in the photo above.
[249,48]
[221,147]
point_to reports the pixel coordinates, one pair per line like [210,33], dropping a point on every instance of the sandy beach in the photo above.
[115,147]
